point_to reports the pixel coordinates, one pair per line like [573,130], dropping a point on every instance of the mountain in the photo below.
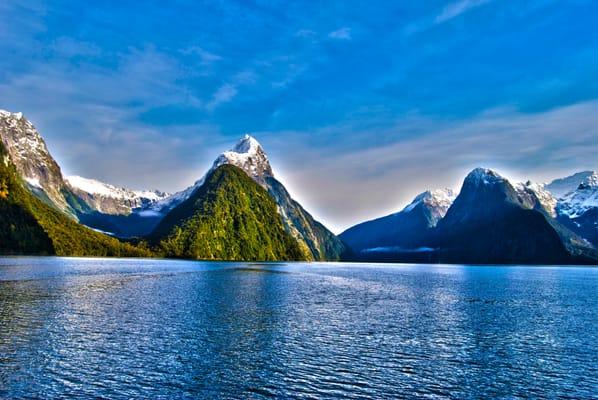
[97,205]
[230,217]
[109,199]
[491,221]
[316,242]
[126,213]
[30,226]
[578,209]
[535,196]
[562,186]
[27,150]
[404,235]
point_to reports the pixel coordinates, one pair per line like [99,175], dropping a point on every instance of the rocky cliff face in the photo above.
[28,152]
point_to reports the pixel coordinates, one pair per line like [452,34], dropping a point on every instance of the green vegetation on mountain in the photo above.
[30,226]
[230,217]
[316,242]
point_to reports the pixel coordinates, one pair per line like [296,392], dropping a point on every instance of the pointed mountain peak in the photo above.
[433,198]
[437,202]
[248,155]
[247,144]
[484,176]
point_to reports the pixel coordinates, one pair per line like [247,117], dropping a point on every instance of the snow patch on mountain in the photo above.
[248,155]
[95,187]
[28,152]
[561,187]
[163,206]
[536,193]
[437,201]
[484,176]
[576,203]
[110,199]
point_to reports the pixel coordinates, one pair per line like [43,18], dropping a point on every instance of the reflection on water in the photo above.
[175,329]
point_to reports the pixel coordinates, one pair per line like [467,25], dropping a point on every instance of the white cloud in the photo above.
[343,183]
[305,33]
[224,94]
[455,9]
[341,34]
[205,56]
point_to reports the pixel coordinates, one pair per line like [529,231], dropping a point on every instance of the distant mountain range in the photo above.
[491,220]
[274,228]
[238,210]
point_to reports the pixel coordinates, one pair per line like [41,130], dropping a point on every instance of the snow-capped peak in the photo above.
[247,144]
[484,176]
[111,199]
[436,201]
[561,187]
[533,194]
[29,153]
[577,202]
[95,187]
[591,180]
[248,155]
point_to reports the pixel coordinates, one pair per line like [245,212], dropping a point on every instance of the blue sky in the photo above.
[360,104]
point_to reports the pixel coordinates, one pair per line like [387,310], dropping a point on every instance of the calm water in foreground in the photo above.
[176,329]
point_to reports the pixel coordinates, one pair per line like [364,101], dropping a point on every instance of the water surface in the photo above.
[176,329]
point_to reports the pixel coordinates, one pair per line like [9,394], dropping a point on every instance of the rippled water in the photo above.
[175,329]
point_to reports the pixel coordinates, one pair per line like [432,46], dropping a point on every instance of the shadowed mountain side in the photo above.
[30,226]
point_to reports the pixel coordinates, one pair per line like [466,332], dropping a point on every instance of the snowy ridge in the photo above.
[437,201]
[530,194]
[95,187]
[576,203]
[537,193]
[164,205]
[561,187]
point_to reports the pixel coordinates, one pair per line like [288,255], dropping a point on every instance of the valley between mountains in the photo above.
[238,210]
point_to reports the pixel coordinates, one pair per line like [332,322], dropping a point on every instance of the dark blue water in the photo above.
[175,329]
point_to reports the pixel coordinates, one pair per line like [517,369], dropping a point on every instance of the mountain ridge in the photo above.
[230,217]
[504,221]
[492,220]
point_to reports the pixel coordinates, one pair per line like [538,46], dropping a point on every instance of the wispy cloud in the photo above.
[224,94]
[305,33]
[205,56]
[373,181]
[341,34]
[457,8]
